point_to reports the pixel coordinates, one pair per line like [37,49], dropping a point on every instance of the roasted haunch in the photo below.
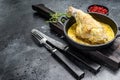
[87,28]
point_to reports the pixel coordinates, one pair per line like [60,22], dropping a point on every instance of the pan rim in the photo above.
[96,45]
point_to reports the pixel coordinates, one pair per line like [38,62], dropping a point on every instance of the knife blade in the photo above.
[93,67]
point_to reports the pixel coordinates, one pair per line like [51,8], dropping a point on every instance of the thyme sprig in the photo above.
[55,16]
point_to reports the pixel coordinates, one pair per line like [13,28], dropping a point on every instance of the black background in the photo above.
[22,59]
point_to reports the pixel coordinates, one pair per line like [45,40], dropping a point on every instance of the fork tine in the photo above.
[38,36]
[35,33]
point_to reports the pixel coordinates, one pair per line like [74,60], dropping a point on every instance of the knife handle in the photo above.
[73,69]
[91,65]
[42,10]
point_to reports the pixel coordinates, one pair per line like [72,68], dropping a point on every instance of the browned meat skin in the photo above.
[87,27]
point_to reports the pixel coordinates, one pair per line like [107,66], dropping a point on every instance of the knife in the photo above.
[93,67]
[75,70]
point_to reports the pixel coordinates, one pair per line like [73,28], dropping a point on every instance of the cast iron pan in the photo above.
[68,22]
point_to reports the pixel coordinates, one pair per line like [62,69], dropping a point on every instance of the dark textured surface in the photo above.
[21,58]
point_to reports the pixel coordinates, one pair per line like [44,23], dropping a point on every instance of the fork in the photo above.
[74,70]
[42,40]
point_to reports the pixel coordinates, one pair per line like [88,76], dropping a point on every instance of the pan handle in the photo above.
[63,20]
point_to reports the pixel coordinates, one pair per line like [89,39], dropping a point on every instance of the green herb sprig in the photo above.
[54,17]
